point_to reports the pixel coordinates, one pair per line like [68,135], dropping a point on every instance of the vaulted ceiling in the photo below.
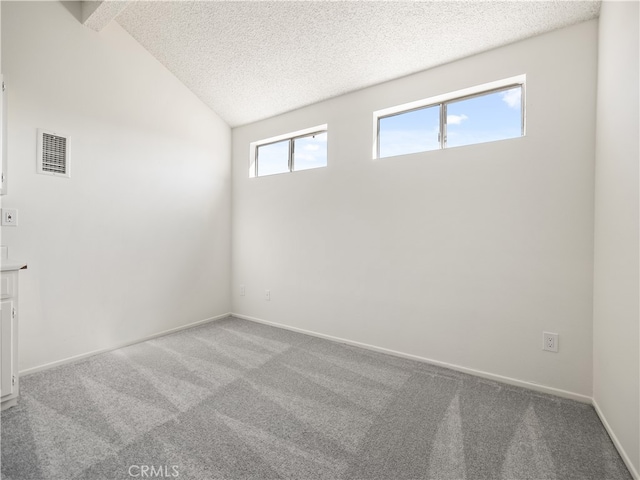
[251,60]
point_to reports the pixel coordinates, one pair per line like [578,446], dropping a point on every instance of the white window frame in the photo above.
[290,137]
[442,100]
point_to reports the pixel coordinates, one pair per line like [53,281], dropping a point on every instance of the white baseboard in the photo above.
[82,356]
[478,373]
[616,442]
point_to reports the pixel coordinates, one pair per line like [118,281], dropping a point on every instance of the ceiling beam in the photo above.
[97,14]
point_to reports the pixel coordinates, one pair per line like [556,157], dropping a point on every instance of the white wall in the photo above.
[138,240]
[464,255]
[616,367]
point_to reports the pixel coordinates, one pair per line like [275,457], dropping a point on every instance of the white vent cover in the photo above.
[53,154]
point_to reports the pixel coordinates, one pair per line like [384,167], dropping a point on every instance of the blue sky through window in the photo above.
[485,118]
[411,132]
[494,116]
[273,158]
[310,152]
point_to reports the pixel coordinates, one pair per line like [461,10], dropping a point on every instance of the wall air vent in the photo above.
[53,154]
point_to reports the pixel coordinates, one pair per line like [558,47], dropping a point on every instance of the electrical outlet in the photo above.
[267,295]
[9,217]
[242,290]
[550,342]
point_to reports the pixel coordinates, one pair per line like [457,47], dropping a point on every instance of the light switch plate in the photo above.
[9,217]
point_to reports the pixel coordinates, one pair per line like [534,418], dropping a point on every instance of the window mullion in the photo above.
[522,115]
[378,137]
[291,155]
[443,125]
[256,162]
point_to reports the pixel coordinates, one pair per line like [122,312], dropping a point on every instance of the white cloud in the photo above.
[512,97]
[456,119]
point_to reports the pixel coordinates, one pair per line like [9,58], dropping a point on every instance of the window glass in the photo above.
[485,118]
[409,132]
[310,152]
[273,158]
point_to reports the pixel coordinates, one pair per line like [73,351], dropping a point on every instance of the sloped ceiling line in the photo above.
[97,14]
[250,60]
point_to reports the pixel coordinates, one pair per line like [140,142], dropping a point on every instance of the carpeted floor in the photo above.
[235,400]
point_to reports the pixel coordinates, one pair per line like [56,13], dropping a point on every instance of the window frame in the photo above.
[442,101]
[290,138]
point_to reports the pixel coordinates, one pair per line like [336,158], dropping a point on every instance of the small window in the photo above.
[477,115]
[302,150]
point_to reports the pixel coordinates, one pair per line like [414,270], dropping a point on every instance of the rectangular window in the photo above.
[302,150]
[480,114]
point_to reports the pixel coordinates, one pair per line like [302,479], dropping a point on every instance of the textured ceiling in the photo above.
[252,60]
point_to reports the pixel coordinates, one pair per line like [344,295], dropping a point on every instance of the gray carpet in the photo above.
[238,400]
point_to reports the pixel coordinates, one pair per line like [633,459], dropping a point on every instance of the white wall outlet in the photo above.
[550,341]
[242,290]
[267,295]
[9,217]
